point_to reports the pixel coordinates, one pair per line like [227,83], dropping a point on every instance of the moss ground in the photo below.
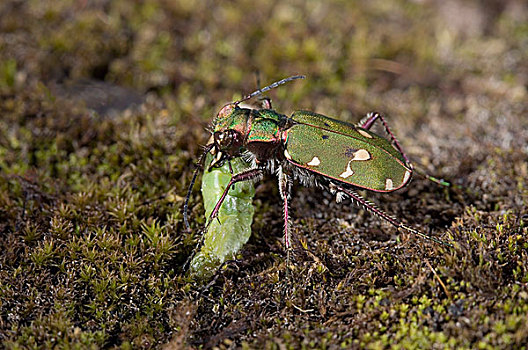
[103,108]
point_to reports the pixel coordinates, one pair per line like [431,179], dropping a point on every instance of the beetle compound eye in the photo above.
[219,138]
[224,139]
[226,110]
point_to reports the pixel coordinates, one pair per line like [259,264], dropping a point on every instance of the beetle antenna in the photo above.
[199,166]
[269,87]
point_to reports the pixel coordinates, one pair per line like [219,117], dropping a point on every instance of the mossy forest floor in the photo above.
[103,110]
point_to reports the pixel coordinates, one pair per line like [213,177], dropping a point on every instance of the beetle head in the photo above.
[225,118]
[227,137]
[231,124]
[227,144]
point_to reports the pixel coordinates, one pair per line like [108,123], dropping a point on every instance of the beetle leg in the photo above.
[360,201]
[285,185]
[247,175]
[369,122]
[199,166]
[266,103]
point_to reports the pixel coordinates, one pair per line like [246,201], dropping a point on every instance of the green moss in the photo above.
[8,70]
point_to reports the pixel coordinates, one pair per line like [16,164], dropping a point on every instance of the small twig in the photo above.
[302,310]
[439,279]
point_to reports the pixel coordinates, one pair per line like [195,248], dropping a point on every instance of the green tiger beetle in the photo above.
[312,148]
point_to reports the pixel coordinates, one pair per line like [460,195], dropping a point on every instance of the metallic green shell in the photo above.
[257,125]
[345,153]
[236,119]
[263,130]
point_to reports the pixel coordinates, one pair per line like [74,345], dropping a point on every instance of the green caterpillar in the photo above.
[231,231]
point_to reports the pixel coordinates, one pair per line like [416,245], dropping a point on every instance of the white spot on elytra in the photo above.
[388,185]
[287,155]
[406,176]
[361,154]
[364,133]
[314,162]
[348,172]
